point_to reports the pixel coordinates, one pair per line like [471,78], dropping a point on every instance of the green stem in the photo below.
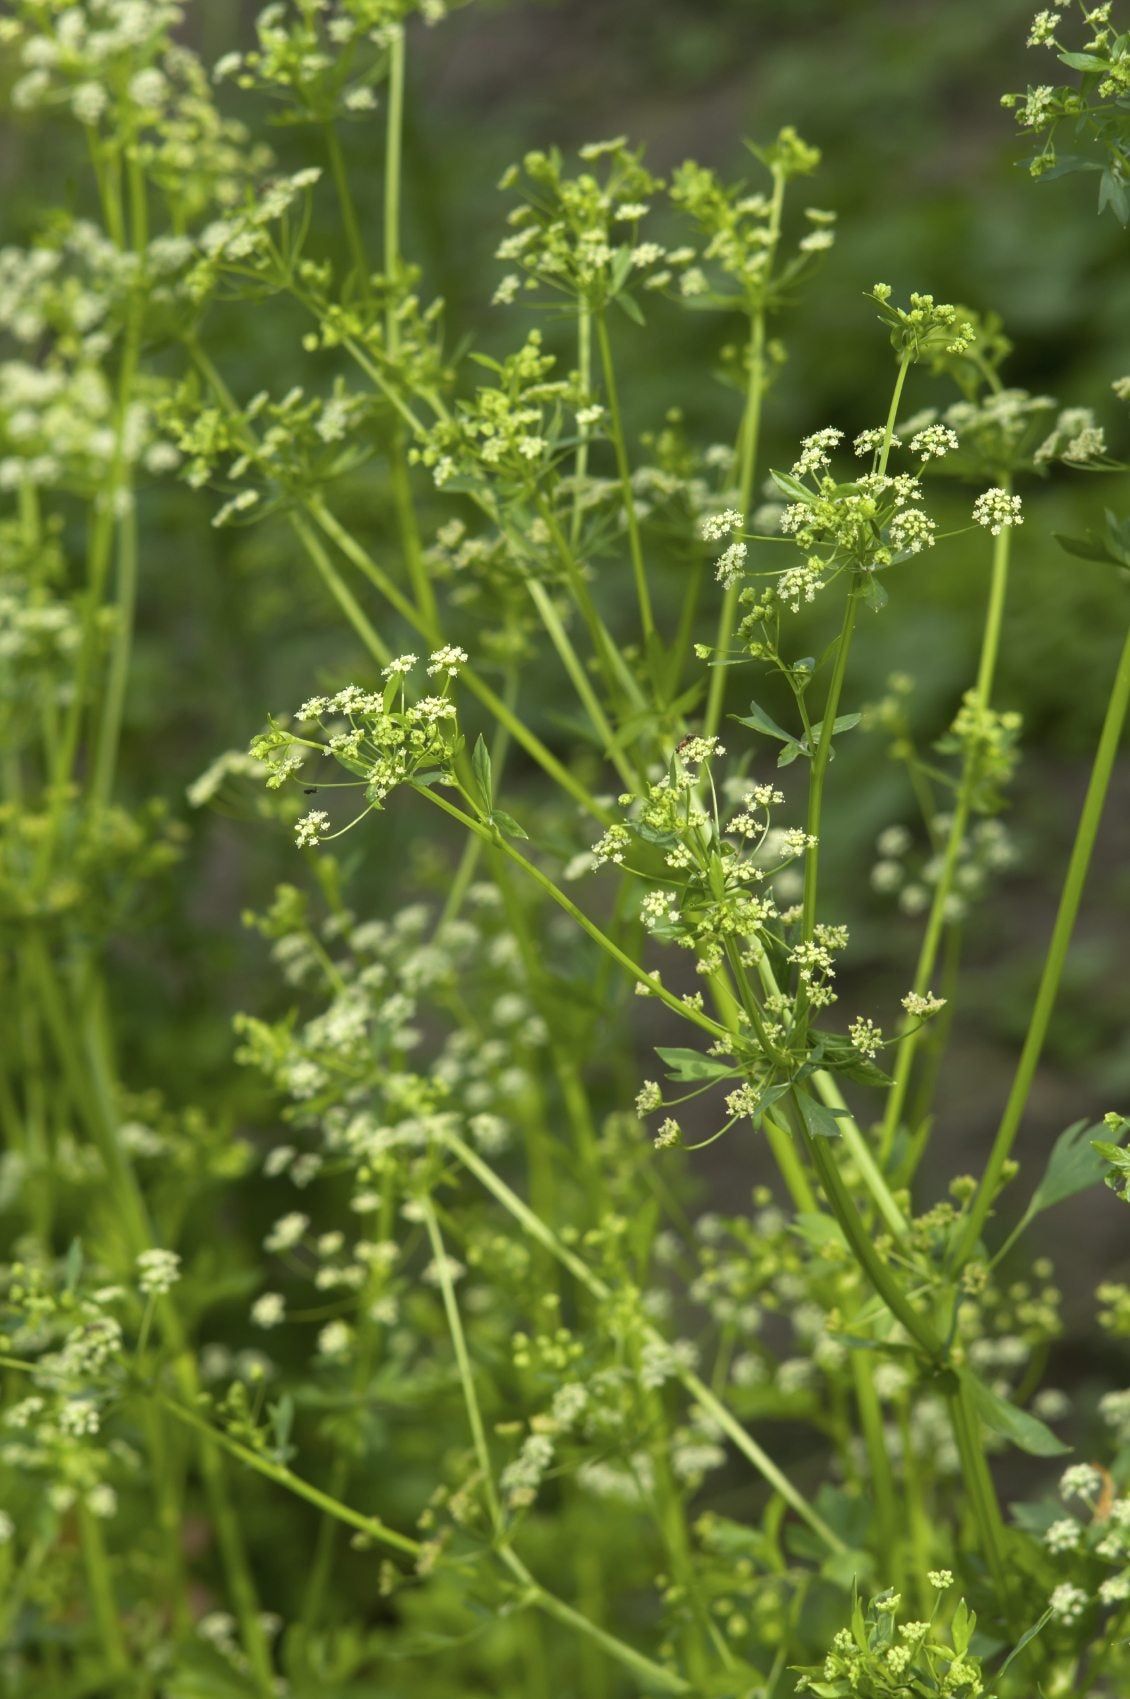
[371,1526]
[559,637]
[860,1239]
[493,836]
[651,1673]
[103,1603]
[1087,832]
[394,145]
[620,449]
[544,1235]
[979,1485]
[935,925]
[463,1361]
[353,235]
[494,704]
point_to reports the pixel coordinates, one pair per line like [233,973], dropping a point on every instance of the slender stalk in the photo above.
[823,752]
[744,1442]
[371,1526]
[978,1483]
[748,438]
[101,1589]
[935,924]
[492,835]
[1066,914]
[353,235]
[624,472]
[652,1674]
[494,704]
[462,1360]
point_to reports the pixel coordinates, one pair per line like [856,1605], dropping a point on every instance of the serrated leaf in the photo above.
[693,1065]
[480,767]
[1026,1431]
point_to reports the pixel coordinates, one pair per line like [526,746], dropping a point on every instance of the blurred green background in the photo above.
[923,168]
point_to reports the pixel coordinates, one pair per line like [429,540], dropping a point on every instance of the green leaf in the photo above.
[793,488]
[1029,1634]
[73,1264]
[1083,61]
[507,824]
[842,1057]
[820,1122]
[841,723]
[480,767]
[629,305]
[1020,1426]
[693,1065]
[1073,1166]
[759,721]
[1085,548]
[1112,194]
[875,594]
[961,1629]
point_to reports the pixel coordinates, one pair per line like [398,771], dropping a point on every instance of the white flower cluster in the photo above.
[996,509]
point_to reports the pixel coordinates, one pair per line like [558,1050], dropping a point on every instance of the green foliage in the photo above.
[388,1347]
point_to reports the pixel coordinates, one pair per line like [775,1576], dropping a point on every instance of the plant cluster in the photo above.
[526,1408]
